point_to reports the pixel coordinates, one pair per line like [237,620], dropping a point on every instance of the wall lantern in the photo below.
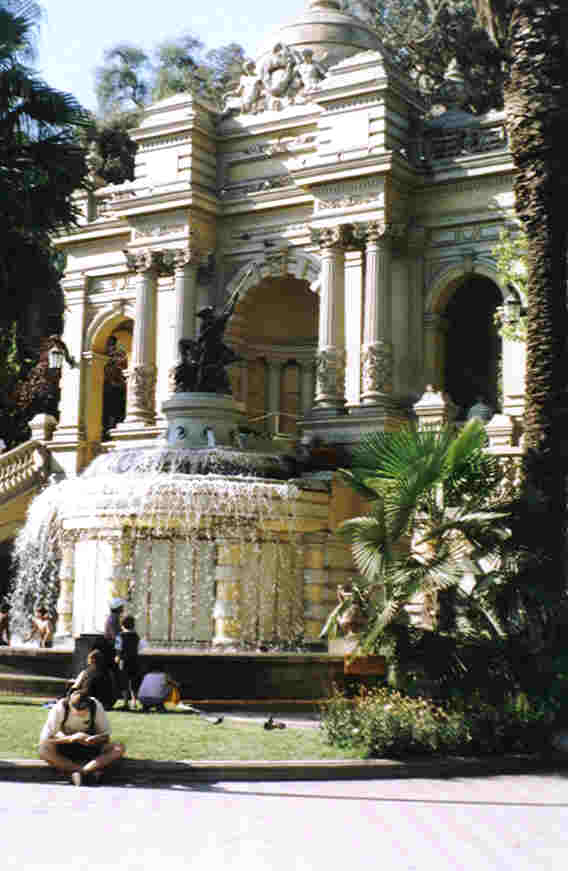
[512,307]
[55,358]
[57,354]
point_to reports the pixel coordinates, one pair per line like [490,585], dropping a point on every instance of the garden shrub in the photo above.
[386,723]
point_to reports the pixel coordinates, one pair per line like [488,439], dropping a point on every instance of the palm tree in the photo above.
[434,514]
[534,35]
[41,165]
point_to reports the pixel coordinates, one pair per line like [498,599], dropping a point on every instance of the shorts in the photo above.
[80,753]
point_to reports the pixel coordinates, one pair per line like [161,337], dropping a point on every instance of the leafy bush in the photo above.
[387,723]
[384,722]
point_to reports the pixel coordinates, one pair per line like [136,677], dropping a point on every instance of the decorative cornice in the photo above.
[159,262]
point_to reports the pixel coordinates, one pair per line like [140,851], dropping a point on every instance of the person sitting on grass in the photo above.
[96,680]
[75,739]
[156,688]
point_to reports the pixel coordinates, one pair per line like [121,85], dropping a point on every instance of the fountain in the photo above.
[205,534]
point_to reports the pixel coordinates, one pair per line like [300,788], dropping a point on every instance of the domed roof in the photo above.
[331,34]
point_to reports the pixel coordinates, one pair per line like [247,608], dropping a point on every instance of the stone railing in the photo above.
[23,468]
[450,143]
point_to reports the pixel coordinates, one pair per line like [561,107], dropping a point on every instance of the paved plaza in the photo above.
[495,823]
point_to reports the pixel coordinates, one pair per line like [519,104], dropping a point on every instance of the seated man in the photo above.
[155,689]
[76,738]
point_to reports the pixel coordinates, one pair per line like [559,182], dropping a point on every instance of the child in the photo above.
[127,645]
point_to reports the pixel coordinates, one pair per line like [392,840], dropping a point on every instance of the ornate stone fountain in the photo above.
[206,534]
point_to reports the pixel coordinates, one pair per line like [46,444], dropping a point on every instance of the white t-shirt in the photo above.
[77,721]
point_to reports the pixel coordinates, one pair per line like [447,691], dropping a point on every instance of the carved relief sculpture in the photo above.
[377,368]
[141,388]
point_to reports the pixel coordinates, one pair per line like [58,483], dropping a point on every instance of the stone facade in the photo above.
[346,222]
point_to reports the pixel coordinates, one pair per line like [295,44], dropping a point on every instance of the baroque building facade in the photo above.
[358,235]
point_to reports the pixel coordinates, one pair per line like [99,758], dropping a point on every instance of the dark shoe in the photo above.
[161,709]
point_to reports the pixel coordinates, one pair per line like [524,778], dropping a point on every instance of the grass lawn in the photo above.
[171,736]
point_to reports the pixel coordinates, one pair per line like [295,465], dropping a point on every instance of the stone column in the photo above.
[186,265]
[435,327]
[353,321]
[94,416]
[377,355]
[273,394]
[140,400]
[70,432]
[66,584]
[307,386]
[330,362]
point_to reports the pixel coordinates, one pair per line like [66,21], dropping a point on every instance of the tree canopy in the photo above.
[425,36]
[41,165]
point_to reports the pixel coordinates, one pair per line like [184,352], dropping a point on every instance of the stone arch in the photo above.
[445,283]
[97,335]
[103,324]
[297,263]
[475,372]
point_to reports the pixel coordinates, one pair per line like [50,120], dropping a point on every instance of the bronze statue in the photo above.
[203,360]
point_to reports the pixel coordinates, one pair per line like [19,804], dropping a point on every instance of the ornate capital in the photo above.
[327,238]
[377,369]
[191,256]
[379,232]
[158,262]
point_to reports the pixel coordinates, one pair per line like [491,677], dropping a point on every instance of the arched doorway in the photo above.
[117,349]
[472,366]
[275,329]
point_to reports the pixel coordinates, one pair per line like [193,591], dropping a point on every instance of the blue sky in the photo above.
[75,33]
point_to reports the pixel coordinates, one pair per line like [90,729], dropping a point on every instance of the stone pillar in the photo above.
[330,363]
[377,356]
[64,628]
[141,377]
[434,410]
[353,322]
[435,327]
[307,386]
[186,265]
[69,435]
[273,394]
[95,364]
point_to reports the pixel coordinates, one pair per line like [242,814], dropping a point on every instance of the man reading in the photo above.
[76,739]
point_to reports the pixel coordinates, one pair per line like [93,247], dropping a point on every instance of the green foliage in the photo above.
[425,36]
[130,78]
[434,515]
[383,723]
[511,254]
[41,166]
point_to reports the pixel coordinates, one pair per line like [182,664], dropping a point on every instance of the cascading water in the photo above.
[134,521]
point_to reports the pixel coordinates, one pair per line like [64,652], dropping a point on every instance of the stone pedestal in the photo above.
[200,420]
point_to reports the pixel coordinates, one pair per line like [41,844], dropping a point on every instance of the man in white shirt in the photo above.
[76,738]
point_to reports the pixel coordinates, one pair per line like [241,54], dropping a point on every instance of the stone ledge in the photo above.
[149,772]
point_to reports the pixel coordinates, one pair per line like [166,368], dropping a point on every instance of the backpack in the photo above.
[92,714]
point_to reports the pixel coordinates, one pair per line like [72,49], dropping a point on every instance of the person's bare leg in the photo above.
[49,754]
[110,753]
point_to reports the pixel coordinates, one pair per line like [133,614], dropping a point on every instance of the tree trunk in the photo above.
[536,104]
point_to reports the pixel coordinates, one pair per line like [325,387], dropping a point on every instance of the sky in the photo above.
[75,33]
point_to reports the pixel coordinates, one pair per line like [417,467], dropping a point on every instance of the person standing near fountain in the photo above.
[127,644]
